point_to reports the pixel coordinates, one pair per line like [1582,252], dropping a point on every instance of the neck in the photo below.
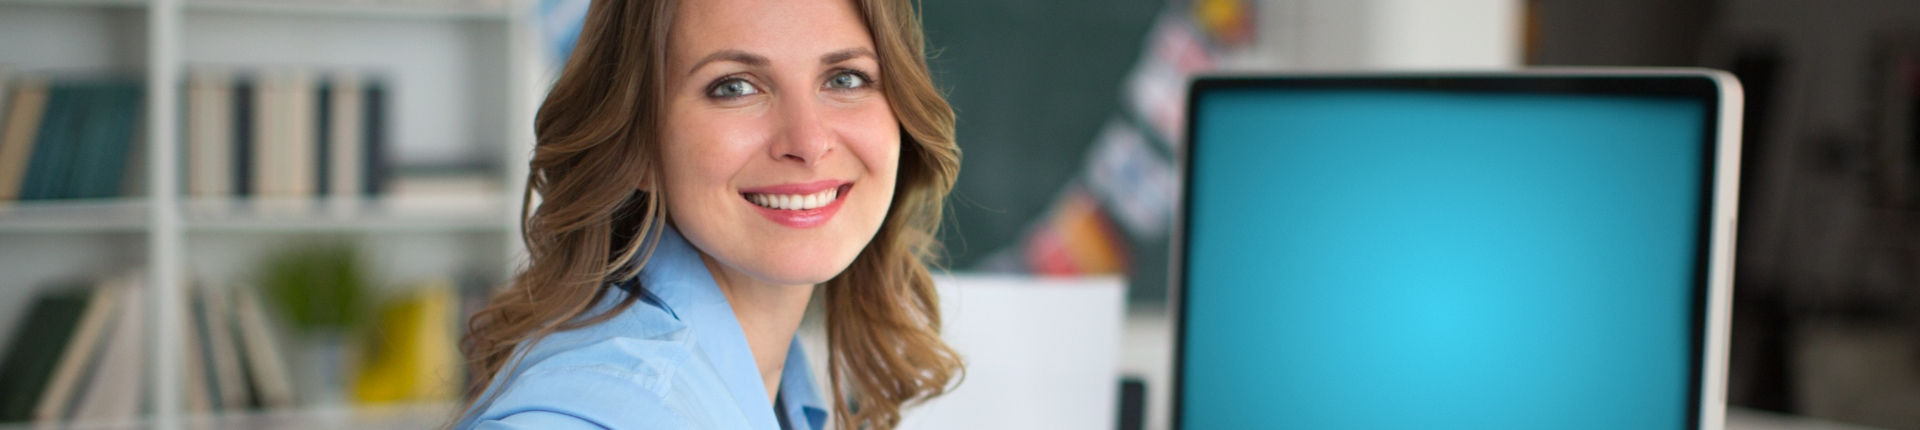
[768,313]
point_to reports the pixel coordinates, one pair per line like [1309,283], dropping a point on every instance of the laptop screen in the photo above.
[1368,254]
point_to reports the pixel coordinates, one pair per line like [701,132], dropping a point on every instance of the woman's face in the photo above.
[779,149]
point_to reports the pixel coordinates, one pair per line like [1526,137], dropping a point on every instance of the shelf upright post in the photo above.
[166,238]
[526,90]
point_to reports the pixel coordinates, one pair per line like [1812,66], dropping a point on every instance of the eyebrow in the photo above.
[846,54]
[733,55]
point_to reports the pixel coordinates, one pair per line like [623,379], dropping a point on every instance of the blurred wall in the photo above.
[1362,35]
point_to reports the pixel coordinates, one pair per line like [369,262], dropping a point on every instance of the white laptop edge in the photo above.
[1726,203]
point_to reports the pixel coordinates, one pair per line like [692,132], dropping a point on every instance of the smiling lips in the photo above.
[799,205]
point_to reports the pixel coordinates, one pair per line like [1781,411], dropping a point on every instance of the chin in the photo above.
[803,271]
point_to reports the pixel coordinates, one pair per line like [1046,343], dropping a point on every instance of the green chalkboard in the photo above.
[1032,82]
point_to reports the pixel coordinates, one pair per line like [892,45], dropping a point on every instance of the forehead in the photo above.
[798,29]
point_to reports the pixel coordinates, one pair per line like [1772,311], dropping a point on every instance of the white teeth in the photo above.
[795,201]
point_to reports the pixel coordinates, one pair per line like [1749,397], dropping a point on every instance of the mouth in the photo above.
[807,205]
[788,200]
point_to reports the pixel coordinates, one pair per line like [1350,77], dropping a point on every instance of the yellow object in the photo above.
[1228,21]
[414,354]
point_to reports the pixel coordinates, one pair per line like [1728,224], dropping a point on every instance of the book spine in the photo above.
[35,351]
[323,141]
[266,364]
[80,353]
[266,136]
[222,357]
[87,142]
[375,126]
[209,131]
[298,157]
[243,137]
[9,82]
[347,136]
[114,391]
[28,107]
[47,167]
[119,113]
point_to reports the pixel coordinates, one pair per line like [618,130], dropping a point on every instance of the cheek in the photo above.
[702,151]
[877,146]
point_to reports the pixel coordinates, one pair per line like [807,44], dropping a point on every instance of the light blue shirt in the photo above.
[675,359]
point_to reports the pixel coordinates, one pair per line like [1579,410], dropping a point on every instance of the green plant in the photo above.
[317,287]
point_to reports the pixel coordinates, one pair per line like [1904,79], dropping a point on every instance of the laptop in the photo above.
[1540,249]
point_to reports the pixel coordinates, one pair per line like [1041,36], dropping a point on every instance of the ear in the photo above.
[645,185]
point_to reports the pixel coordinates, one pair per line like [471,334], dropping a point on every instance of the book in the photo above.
[87,105]
[35,350]
[223,359]
[114,391]
[266,142]
[134,180]
[197,320]
[47,168]
[345,138]
[80,353]
[266,366]
[210,130]
[194,372]
[323,142]
[290,135]
[112,112]
[300,156]
[284,134]
[26,107]
[81,147]
[8,79]
[243,136]
[374,143]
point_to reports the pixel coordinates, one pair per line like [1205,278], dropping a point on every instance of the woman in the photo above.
[701,168]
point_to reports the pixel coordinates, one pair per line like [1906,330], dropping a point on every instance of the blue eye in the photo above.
[733,87]
[847,80]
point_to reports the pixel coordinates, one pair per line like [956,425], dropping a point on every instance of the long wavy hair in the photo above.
[585,223]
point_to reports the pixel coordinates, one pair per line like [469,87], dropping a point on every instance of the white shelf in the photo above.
[74,216]
[457,69]
[81,3]
[427,9]
[450,214]
[438,9]
[375,417]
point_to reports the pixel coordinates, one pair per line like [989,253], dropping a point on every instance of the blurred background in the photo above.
[323,187]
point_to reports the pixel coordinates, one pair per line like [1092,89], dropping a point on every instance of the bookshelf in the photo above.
[464,78]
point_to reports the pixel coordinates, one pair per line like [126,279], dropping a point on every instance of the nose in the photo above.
[804,136]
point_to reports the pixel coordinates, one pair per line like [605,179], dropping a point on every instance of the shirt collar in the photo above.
[797,390]
[679,279]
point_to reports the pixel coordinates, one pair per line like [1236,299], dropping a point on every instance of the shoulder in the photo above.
[618,373]
[643,342]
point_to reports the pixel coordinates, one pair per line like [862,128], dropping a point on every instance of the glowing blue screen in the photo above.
[1383,259]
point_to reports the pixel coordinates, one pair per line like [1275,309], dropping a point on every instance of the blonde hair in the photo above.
[598,138]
